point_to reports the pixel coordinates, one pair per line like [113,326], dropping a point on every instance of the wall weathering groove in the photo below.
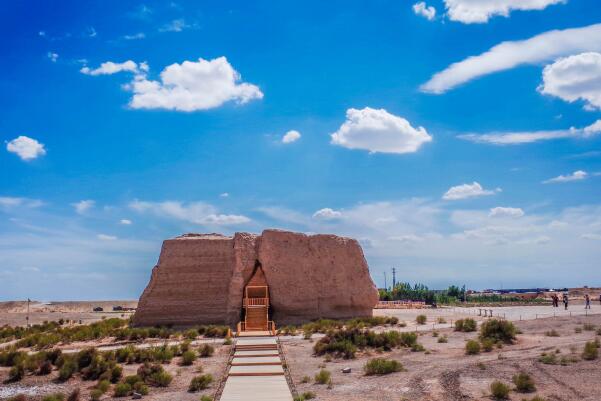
[199,278]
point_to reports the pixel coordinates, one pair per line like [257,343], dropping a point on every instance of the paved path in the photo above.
[256,372]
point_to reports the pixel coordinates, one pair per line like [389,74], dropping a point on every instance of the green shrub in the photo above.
[85,357]
[421,319]
[67,369]
[103,386]
[499,390]
[465,325]
[141,388]
[381,366]
[578,330]
[95,395]
[45,368]
[588,327]
[307,395]
[498,331]
[200,383]
[206,398]
[214,331]
[443,339]
[132,379]
[524,383]
[227,341]
[487,344]
[206,350]
[345,342]
[116,373]
[185,346]
[162,354]
[122,390]
[552,333]
[287,331]
[11,357]
[54,397]
[417,348]
[547,359]
[188,358]
[472,347]
[591,351]
[323,376]
[16,373]
[305,379]
[191,334]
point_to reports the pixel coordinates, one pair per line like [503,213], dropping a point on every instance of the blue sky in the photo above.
[458,140]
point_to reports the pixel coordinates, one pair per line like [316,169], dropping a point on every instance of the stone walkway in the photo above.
[256,372]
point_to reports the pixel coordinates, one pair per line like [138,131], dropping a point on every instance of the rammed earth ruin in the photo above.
[211,278]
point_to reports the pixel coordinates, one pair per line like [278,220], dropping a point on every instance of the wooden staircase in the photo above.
[256,305]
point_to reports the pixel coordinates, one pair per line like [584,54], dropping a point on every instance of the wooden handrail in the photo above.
[255,301]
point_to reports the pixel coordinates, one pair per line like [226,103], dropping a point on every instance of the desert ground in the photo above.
[14,313]
[442,372]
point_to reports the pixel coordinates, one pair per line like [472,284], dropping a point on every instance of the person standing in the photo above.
[565,301]
[587,302]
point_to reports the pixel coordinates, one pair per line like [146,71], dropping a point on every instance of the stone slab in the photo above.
[258,352]
[256,388]
[260,360]
[257,370]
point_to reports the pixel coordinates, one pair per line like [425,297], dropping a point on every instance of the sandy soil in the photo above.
[447,374]
[14,313]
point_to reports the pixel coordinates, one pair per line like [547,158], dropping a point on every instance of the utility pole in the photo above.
[393,277]
[27,318]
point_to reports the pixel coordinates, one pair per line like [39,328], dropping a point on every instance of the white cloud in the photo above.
[546,46]
[573,78]
[480,11]
[8,202]
[518,138]
[135,36]
[105,237]
[125,222]
[291,136]
[53,56]
[193,212]
[408,238]
[224,195]
[424,10]
[83,206]
[190,86]
[594,237]
[109,67]
[575,176]
[379,131]
[177,25]
[506,212]
[327,214]
[465,191]
[225,219]
[26,148]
